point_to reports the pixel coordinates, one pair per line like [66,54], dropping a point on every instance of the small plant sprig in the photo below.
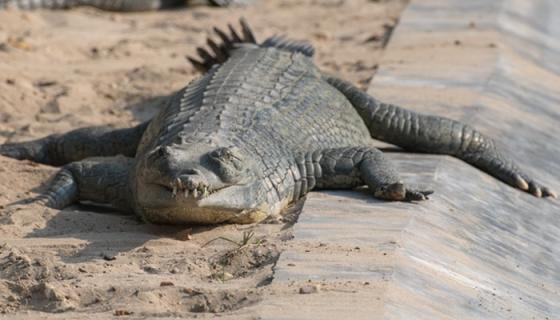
[247,236]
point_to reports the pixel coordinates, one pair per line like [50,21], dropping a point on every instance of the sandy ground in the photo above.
[68,69]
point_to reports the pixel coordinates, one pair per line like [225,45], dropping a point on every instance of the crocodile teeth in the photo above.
[195,193]
[200,191]
[186,193]
[179,183]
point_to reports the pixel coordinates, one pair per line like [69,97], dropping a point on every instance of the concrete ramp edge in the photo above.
[478,249]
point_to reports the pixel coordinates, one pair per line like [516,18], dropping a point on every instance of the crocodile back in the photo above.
[270,103]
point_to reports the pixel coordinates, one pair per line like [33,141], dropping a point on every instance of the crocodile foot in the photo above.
[533,187]
[32,150]
[398,192]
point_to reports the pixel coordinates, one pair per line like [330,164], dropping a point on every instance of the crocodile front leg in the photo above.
[77,145]
[100,180]
[351,167]
[431,134]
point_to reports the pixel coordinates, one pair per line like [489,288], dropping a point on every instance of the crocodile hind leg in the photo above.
[350,167]
[100,180]
[431,134]
[77,145]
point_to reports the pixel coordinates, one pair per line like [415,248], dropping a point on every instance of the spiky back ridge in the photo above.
[281,42]
[218,53]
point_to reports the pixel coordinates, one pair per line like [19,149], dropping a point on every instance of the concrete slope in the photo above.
[478,249]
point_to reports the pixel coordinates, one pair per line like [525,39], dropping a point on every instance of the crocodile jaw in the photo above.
[201,215]
[241,204]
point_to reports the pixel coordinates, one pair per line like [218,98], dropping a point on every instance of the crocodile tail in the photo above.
[37,4]
[112,5]
[230,3]
[217,53]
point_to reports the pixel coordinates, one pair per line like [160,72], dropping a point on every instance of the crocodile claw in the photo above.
[532,187]
[413,195]
[398,192]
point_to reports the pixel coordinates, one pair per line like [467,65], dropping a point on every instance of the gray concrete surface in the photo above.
[478,249]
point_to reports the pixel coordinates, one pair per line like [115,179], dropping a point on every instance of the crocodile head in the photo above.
[199,184]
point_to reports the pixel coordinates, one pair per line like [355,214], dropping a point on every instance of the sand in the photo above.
[68,69]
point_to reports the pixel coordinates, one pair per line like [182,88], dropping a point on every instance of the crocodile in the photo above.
[261,128]
[110,5]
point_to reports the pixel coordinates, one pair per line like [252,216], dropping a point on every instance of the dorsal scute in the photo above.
[219,52]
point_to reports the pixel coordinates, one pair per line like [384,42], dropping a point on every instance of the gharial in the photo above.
[111,5]
[260,129]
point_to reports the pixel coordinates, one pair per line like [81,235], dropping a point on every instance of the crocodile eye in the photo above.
[230,163]
[221,153]
[228,156]
[159,153]
[163,151]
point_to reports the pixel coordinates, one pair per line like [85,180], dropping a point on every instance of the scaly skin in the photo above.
[258,131]
[78,144]
[431,134]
